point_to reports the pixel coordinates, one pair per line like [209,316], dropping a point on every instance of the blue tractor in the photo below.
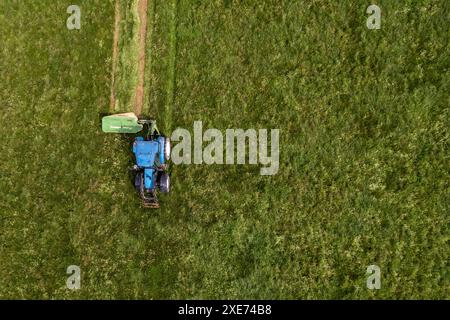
[152,153]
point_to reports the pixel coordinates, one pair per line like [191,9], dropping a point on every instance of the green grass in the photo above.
[364,165]
[126,72]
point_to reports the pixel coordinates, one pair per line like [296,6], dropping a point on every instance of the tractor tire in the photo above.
[167,149]
[164,183]
[138,180]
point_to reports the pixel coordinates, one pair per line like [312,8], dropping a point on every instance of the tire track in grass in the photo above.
[115,56]
[171,69]
[139,95]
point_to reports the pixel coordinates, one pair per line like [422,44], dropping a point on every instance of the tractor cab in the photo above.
[145,152]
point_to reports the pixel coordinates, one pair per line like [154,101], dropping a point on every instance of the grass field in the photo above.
[364,151]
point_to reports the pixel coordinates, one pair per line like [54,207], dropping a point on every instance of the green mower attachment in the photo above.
[121,123]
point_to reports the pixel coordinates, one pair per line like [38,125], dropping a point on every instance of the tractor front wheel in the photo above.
[138,181]
[164,183]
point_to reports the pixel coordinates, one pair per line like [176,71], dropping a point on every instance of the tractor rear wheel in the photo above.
[167,149]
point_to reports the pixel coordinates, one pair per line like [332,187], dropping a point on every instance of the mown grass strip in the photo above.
[115,55]
[171,69]
[139,94]
[126,74]
[149,59]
